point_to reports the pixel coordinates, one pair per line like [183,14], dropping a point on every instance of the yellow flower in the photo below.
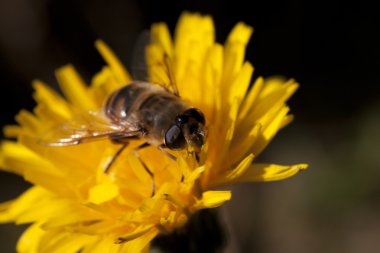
[74,206]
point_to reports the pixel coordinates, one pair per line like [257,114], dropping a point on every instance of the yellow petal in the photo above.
[241,33]
[30,197]
[80,215]
[104,245]
[272,84]
[49,116]
[34,168]
[161,35]
[251,98]
[265,108]
[50,181]
[240,83]
[68,243]
[287,120]
[230,176]
[121,74]
[30,239]
[211,199]
[103,84]
[274,100]
[47,96]
[210,77]
[157,69]
[103,192]
[139,244]
[195,174]
[29,122]
[5,216]
[219,151]
[75,88]
[74,161]
[242,143]
[234,53]
[194,34]
[17,158]
[12,131]
[45,209]
[101,227]
[270,172]
[138,232]
[269,131]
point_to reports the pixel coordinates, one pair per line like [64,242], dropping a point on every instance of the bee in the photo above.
[139,110]
[160,117]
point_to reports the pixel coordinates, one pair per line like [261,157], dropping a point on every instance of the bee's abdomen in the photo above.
[119,103]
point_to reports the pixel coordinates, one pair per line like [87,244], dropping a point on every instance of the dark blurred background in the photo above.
[332,48]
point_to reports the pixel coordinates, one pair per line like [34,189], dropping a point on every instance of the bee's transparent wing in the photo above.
[153,65]
[139,66]
[85,128]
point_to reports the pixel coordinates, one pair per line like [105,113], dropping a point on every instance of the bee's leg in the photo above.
[121,138]
[161,148]
[196,156]
[109,165]
[144,145]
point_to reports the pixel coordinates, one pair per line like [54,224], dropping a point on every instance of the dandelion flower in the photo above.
[74,206]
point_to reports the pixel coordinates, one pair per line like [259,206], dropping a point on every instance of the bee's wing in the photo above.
[139,66]
[85,128]
[153,65]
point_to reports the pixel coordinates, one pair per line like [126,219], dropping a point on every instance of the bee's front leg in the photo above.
[109,165]
[144,145]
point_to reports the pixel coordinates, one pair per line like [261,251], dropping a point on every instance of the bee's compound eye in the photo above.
[174,138]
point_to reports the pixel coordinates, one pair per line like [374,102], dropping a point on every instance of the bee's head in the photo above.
[188,130]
